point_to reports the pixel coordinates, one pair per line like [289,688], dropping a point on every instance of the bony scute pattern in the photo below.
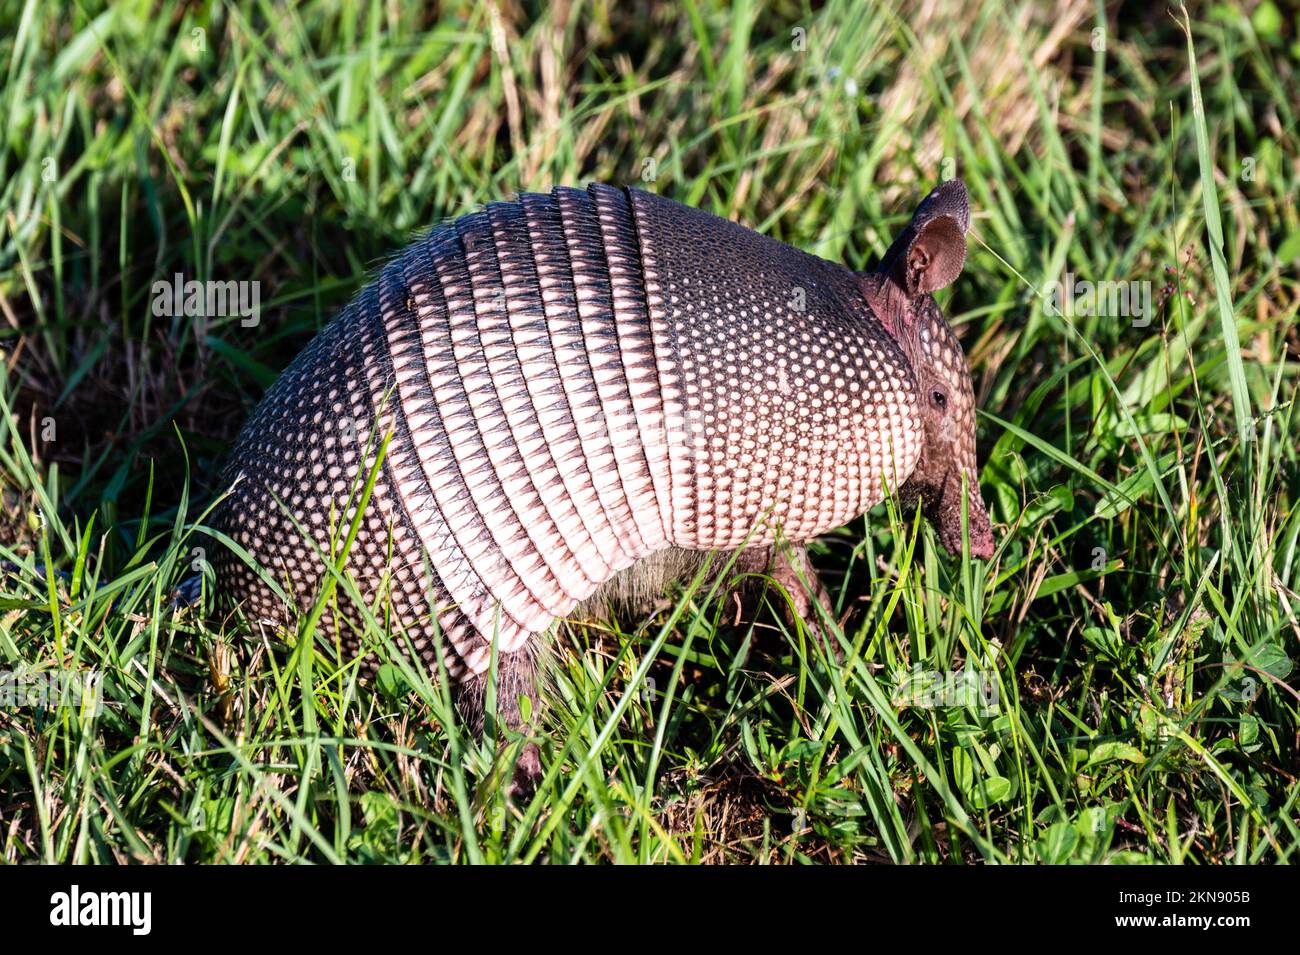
[573,382]
[797,405]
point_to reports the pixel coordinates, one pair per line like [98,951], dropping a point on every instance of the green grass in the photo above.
[1139,617]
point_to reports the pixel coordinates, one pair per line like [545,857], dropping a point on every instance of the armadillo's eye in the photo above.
[939,398]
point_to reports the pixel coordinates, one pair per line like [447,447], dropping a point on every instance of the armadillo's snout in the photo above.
[945,512]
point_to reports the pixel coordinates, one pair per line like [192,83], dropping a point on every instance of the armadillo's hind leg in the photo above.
[516,680]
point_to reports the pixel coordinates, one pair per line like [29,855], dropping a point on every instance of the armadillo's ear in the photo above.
[931,251]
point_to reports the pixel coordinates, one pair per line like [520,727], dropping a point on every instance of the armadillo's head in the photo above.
[928,255]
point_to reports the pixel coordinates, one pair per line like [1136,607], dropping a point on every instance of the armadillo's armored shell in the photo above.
[572,382]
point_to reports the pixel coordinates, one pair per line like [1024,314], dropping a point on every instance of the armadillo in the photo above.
[581,383]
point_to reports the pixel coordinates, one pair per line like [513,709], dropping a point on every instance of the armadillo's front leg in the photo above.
[516,679]
[792,569]
[788,565]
